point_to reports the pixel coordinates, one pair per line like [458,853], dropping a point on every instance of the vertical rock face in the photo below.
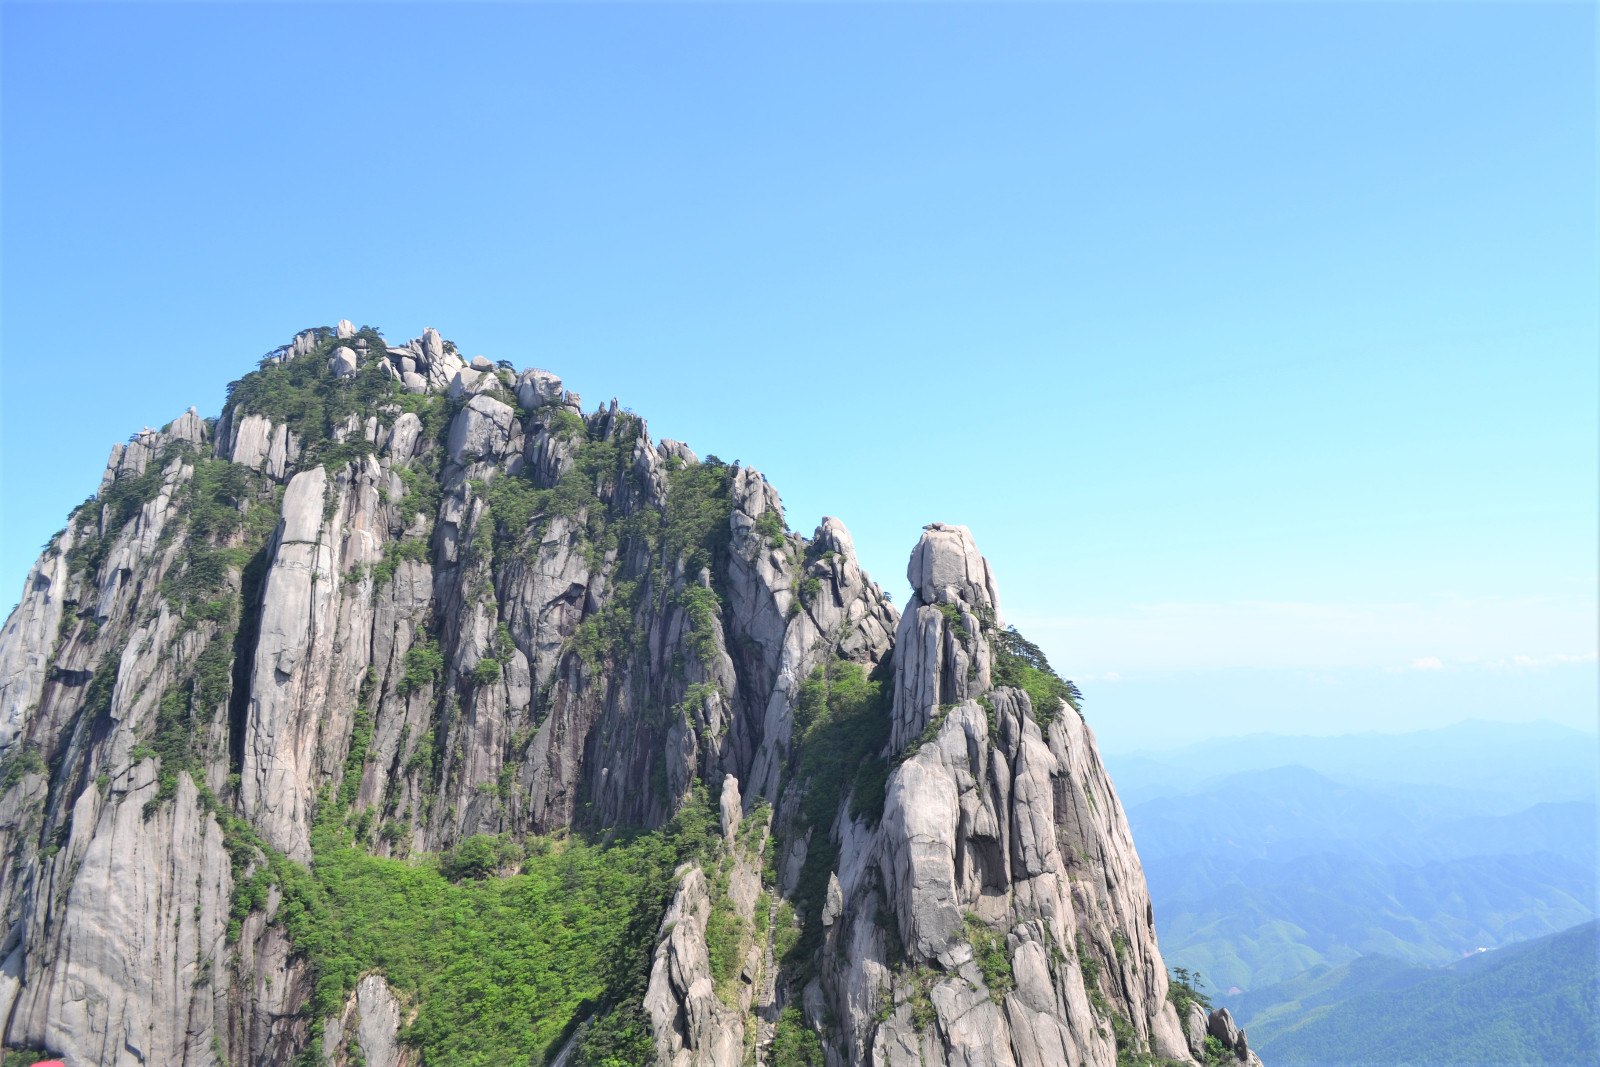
[998,913]
[943,655]
[440,601]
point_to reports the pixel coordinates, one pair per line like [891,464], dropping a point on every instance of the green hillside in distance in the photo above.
[1533,1003]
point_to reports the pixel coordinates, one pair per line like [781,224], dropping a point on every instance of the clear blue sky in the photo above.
[1256,343]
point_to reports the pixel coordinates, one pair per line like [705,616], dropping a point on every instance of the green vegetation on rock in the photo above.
[841,726]
[501,967]
[795,1044]
[1020,663]
[989,953]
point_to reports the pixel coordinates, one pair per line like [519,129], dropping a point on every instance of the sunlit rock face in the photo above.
[403,600]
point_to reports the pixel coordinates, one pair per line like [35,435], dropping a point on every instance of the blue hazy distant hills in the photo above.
[1477,767]
[1290,811]
[1267,856]
[1531,1003]
[1263,921]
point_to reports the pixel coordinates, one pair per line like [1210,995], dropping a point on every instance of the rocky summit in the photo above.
[406,713]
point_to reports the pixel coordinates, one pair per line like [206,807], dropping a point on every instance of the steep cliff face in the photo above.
[400,623]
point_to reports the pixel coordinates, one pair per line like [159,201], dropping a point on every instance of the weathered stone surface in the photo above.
[344,363]
[188,427]
[283,722]
[345,330]
[694,1028]
[482,429]
[1220,1025]
[997,821]
[1195,1027]
[282,452]
[143,933]
[535,388]
[252,437]
[942,640]
[369,1025]
[29,638]
[403,438]
[432,345]
[731,809]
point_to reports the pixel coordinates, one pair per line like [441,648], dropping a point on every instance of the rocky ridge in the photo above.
[412,602]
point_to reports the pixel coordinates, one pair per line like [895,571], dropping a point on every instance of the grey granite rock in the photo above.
[1221,1026]
[344,363]
[997,824]
[1195,1028]
[252,437]
[432,345]
[482,429]
[535,388]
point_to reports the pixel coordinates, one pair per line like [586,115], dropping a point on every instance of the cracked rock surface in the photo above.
[453,600]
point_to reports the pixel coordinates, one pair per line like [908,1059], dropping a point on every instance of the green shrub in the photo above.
[841,727]
[486,671]
[989,953]
[1019,663]
[794,1044]
[356,760]
[1183,989]
[424,667]
[25,1057]
[770,528]
[725,940]
[312,401]
[702,606]
[612,631]
[696,529]
[480,856]
[24,759]
[500,969]
[421,495]
[414,549]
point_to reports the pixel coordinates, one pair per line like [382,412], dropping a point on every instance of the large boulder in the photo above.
[469,382]
[432,345]
[535,388]
[1221,1027]
[343,363]
[484,428]
[946,567]
[188,427]
[403,435]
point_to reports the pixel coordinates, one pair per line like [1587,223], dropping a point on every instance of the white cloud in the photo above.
[1427,663]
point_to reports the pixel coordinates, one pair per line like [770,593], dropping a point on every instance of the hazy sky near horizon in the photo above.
[1256,343]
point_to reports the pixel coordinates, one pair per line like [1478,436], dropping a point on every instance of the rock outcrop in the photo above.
[439,600]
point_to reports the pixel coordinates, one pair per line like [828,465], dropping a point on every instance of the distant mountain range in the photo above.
[1267,856]
[1474,767]
[1532,1003]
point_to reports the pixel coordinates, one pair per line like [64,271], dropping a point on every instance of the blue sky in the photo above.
[1256,343]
